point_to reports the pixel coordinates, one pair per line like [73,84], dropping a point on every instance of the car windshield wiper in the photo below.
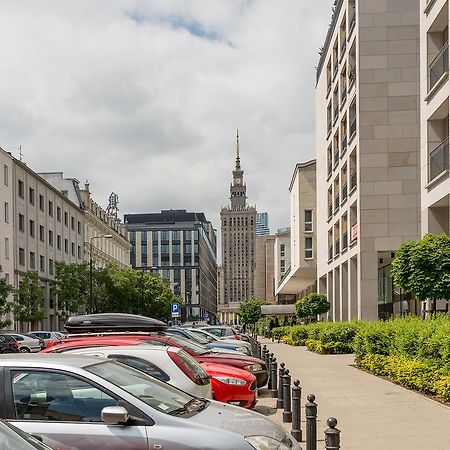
[193,405]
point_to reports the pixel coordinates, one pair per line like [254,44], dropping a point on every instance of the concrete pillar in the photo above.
[337,295]
[344,292]
[353,288]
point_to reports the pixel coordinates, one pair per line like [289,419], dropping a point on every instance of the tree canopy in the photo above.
[5,306]
[311,305]
[422,268]
[28,303]
[250,311]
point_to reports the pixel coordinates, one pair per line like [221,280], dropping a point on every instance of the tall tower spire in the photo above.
[238,160]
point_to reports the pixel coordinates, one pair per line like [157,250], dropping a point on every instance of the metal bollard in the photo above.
[311,423]
[332,435]
[258,353]
[280,401]
[269,365]
[273,378]
[296,411]
[287,413]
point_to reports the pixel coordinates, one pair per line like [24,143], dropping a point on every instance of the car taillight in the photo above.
[197,379]
[237,336]
[15,344]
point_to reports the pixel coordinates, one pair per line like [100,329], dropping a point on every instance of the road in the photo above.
[372,413]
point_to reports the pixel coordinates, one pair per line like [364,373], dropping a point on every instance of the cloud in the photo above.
[143,98]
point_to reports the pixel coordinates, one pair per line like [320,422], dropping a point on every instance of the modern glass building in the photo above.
[262,224]
[180,246]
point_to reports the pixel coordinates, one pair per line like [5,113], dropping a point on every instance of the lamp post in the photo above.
[106,236]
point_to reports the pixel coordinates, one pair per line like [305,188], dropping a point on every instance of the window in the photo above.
[32,228]
[72,223]
[6,212]
[41,233]
[20,188]
[21,223]
[282,250]
[5,175]
[50,237]
[73,249]
[66,219]
[6,248]
[32,260]
[282,265]
[21,256]
[41,202]
[79,227]
[31,195]
[57,397]
[308,221]
[175,235]
[308,248]
[164,235]
[50,208]
[41,263]
[79,252]
[58,241]
[143,365]
[58,214]
[66,246]
[50,266]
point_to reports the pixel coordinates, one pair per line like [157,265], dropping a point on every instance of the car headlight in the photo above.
[253,367]
[266,443]
[230,380]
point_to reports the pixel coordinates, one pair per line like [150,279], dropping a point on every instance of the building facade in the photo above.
[238,230]
[181,246]
[434,101]
[282,262]
[262,224]
[367,151]
[265,268]
[98,223]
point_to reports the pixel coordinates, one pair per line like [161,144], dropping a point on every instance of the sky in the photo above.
[143,97]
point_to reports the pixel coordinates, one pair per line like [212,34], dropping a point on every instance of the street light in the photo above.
[106,236]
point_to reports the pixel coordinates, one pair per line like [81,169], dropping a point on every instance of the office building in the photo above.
[265,268]
[262,224]
[181,246]
[367,153]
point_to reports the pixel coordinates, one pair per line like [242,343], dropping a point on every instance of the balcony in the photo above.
[336,202]
[344,191]
[335,66]
[343,45]
[438,66]
[336,113]
[336,157]
[344,241]
[330,253]
[344,143]
[438,160]
[343,94]
[353,180]
[351,77]
[353,127]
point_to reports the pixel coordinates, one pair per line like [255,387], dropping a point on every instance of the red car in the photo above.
[253,365]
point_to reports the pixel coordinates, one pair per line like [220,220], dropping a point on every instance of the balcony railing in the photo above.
[336,156]
[344,143]
[343,44]
[337,248]
[330,167]
[351,76]
[438,160]
[438,66]
[353,126]
[336,65]
[344,241]
[353,180]
[343,94]
[344,191]
[329,126]
[352,21]
[330,253]
[336,111]
[336,202]
[330,209]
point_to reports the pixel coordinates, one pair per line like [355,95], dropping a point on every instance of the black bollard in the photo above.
[332,435]
[280,401]
[296,411]
[287,413]
[273,378]
[269,365]
[258,355]
[311,423]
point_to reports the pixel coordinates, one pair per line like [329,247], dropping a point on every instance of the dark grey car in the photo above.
[85,403]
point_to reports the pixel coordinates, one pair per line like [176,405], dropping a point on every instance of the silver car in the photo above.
[12,438]
[27,344]
[87,403]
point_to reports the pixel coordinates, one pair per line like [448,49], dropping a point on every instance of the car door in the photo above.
[65,410]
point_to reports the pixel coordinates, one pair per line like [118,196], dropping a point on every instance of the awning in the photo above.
[277,310]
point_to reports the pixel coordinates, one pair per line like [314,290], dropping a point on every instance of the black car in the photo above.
[8,344]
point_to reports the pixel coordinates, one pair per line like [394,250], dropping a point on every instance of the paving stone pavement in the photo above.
[372,413]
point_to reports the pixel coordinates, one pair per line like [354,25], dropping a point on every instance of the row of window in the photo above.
[238,222]
[74,250]
[164,235]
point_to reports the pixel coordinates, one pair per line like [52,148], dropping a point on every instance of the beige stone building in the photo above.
[367,150]
[434,101]
[238,230]
[282,262]
[302,274]
[264,268]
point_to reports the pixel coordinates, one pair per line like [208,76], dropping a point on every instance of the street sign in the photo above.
[175,309]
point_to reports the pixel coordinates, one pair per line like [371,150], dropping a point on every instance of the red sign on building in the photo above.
[354,232]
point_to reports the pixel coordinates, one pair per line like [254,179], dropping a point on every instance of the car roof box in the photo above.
[94,323]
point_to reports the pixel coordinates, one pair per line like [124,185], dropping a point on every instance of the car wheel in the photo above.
[25,350]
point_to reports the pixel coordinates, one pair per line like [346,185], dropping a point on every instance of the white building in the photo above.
[367,152]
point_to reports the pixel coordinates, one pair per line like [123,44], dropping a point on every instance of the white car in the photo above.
[27,344]
[205,334]
[170,364]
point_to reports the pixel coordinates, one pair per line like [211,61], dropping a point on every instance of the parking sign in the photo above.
[175,309]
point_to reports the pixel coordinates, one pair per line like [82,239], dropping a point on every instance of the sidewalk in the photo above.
[372,413]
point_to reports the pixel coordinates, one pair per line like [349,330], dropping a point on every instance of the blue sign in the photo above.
[175,308]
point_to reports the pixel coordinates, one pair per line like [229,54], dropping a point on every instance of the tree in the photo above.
[311,305]
[5,306]
[422,268]
[250,311]
[28,303]
[71,285]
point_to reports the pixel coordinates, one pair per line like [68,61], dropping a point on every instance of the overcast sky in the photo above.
[143,98]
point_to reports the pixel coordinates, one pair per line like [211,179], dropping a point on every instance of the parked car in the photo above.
[222,331]
[27,344]
[202,354]
[13,438]
[169,364]
[46,336]
[214,344]
[86,403]
[8,344]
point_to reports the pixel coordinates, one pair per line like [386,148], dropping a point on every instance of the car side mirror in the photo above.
[115,415]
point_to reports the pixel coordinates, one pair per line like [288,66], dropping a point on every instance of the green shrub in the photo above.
[279,332]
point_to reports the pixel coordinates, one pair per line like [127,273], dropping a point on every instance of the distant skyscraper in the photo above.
[262,224]
[238,241]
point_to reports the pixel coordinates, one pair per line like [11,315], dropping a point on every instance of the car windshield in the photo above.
[11,438]
[188,334]
[158,395]
[204,334]
[192,347]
